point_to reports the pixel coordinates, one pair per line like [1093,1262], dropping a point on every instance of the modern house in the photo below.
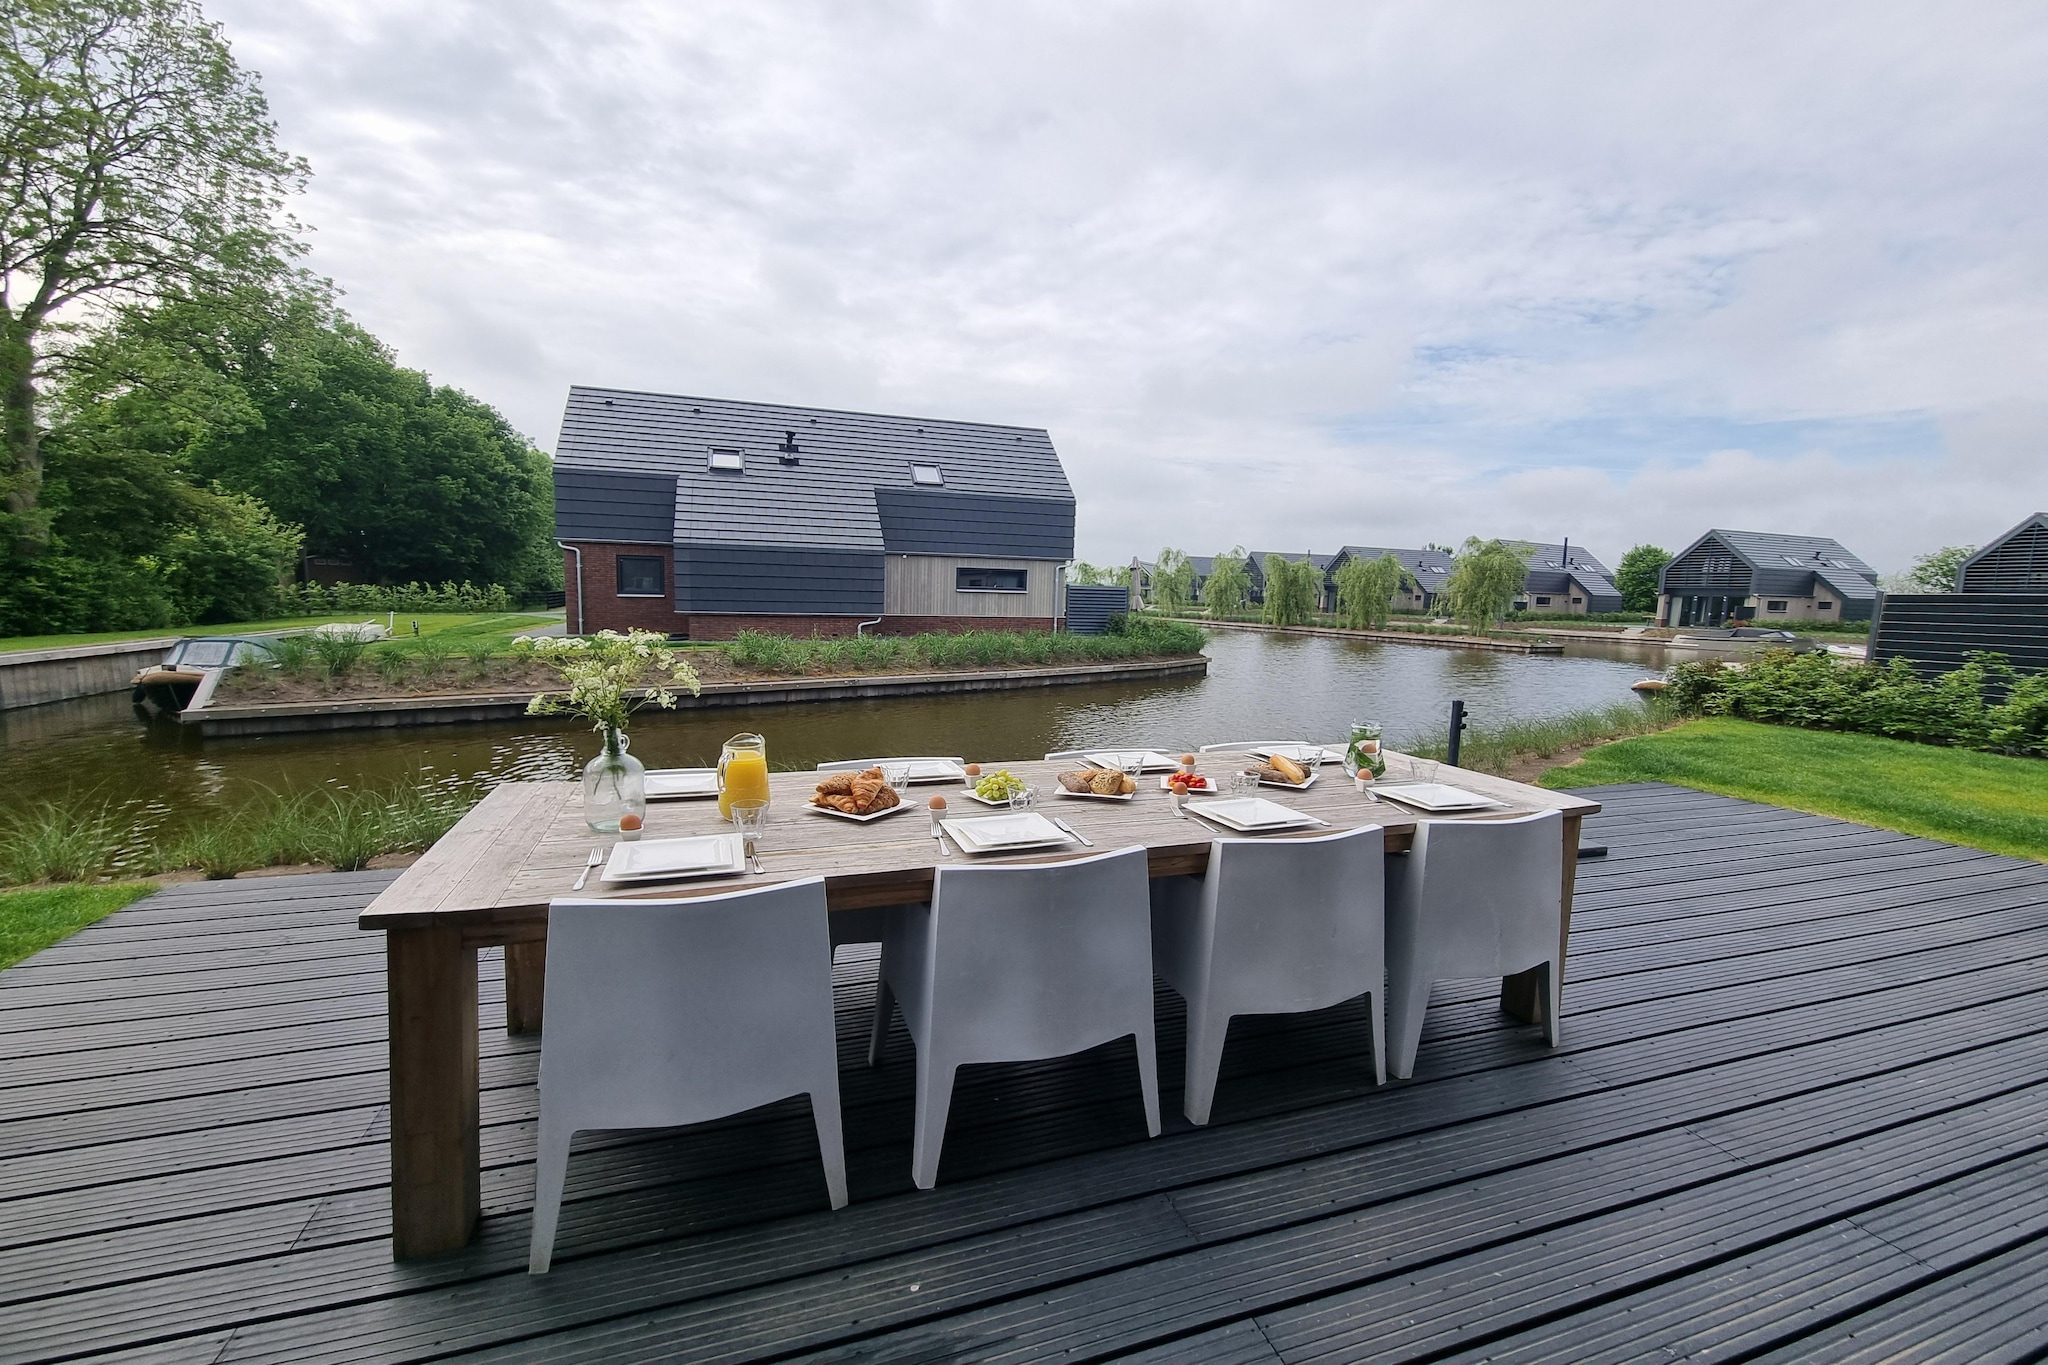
[2000,606]
[1566,579]
[1428,571]
[1758,576]
[701,517]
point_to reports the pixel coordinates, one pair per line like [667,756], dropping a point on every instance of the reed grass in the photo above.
[1497,749]
[342,827]
[786,654]
[62,840]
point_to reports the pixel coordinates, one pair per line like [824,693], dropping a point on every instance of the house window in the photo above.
[1542,601]
[1774,606]
[733,461]
[929,475]
[1578,601]
[1823,606]
[989,580]
[640,576]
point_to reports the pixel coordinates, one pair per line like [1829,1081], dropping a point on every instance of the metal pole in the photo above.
[1457,733]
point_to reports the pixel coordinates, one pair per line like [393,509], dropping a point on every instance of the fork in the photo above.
[596,857]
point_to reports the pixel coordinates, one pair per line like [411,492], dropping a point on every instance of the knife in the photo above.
[1086,842]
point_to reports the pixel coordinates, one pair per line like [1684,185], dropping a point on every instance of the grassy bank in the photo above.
[1986,801]
[82,836]
[458,624]
[31,921]
[1506,750]
[1142,637]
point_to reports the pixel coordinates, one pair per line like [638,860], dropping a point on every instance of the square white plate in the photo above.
[1252,814]
[1436,796]
[650,860]
[1149,760]
[678,784]
[936,770]
[1300,753]
[1006,833]
[979,799]
[883,814]
[1215,785]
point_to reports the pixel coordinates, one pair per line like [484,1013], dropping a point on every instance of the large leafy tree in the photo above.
[1292,591]
[278,396]
[1937,572]
[137,160]
[1485,578]
[1229,584]
[1366,588]
[1637,576]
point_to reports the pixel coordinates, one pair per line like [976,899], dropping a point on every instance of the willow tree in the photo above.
[1291,591]
[1229,584]
[138,162]
[1366,588]
[1485,579]
[1173,581]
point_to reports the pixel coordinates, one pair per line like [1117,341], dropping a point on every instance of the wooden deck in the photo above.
[1801,1114]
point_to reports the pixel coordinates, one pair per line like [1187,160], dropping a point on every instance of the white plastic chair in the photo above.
[1018,963]
[661,1013]
[1077,755]
[861,765]
[1330,751]
[1473,898]
[1273,927]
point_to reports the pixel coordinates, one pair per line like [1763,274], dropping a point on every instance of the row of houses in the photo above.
[701,517]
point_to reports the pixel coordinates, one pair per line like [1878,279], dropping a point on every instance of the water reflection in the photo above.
[1258,687]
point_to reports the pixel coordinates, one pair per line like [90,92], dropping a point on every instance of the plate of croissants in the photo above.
[857,796]
[1099,784]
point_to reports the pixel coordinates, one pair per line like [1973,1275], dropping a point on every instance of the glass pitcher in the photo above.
[1362,754]
[742,772]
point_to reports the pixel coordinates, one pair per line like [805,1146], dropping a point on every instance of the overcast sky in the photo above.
[1285,276]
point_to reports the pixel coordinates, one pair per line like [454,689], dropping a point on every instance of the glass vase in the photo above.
[1362,756]
[614,786]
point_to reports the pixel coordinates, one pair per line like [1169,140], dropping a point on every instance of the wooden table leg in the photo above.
[526,974]
[431,983]
[1521,995]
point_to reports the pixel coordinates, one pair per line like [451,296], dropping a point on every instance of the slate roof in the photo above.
[1548,573]
[1430,568]
[828,496]
[1781,563]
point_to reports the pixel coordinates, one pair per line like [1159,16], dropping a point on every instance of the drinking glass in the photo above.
[750,817]
[896,774]
[1422,769]
[1020,800]
[1244,783]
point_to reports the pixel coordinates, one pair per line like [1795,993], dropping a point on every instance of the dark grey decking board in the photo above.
[1802,1111]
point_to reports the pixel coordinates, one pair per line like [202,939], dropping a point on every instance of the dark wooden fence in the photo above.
[1090,607]
[1937,632]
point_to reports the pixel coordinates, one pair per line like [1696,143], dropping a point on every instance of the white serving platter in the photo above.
[1436,796]
[660,860]
[1058,790]
[925,769]
[1251,814]
[1006,833]
[1166,784]
[883,814]
[681,784]
[1149,760]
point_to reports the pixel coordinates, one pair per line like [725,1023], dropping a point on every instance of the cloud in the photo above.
[1277,276]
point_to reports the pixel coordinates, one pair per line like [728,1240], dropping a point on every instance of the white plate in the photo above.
[971,795]
[1006,833]
[1166,784]
[1149,760]
[677,784]
[1436,796]
[921,769]
[901,805]
[1289,786]
[1299,752]
[1058,790]
[1252,814]
[650,860]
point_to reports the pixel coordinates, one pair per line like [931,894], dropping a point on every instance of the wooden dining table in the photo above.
[488,881]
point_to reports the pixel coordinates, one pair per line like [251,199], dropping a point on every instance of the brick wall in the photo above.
[605,609]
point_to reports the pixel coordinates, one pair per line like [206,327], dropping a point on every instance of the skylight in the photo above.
[929,474]
[733,460]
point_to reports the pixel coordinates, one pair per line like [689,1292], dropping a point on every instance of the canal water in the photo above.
[1259,686]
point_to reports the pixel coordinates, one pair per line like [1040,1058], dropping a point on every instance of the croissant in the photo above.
[836,785]
[865,785]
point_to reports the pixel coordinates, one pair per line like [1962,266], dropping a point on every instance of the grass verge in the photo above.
[431,623]
[31,921]
[1986,801]
[1505,750]
[1142,637]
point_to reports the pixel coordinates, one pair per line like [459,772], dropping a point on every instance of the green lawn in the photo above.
[1986,801]
[31,921]
[431,623]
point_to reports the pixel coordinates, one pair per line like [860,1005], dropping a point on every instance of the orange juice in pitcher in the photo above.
[742,772]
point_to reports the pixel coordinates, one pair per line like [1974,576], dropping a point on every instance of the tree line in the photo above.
[187,413]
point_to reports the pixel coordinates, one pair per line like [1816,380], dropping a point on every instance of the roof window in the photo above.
[727,459]
[929,475]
